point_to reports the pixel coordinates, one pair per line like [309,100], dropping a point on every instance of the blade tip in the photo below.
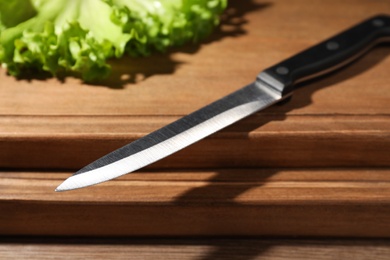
[60,188]
[65,186]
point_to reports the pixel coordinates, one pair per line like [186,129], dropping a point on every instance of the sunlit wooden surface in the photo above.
[318,166]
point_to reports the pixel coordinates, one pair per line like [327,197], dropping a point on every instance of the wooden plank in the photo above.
[338,121]
[206,249]
[262,140]
[272,202]
[341,120]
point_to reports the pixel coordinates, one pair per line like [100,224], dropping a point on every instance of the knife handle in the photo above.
[328,55]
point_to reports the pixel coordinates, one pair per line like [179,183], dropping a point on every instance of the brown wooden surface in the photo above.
[199,249]
[275,202]
[339,123]
[342,120]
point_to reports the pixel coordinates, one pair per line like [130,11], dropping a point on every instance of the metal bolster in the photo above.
[272,83]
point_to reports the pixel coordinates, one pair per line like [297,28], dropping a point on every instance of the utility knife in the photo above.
[271,86]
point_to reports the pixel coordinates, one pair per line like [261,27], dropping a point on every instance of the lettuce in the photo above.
[79,36]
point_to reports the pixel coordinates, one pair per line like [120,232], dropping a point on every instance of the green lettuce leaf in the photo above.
[78,36]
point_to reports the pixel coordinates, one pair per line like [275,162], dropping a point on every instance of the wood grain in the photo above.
[205,249]
[299,141]
[340,120]
[316,166]
[274,202]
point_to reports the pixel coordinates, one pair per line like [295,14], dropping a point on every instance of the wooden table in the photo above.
[318,166]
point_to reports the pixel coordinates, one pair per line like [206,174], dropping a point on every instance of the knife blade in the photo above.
[271,86]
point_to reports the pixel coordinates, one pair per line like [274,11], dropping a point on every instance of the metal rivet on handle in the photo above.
[378,22]
[282,70]
[332,45]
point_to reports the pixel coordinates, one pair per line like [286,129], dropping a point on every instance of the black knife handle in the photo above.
[330,54]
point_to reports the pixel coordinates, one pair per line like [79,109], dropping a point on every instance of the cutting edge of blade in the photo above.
[161,150]
[169,146]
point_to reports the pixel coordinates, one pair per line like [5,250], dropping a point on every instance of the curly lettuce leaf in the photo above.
[76,36]
[79,36]
[157,25]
